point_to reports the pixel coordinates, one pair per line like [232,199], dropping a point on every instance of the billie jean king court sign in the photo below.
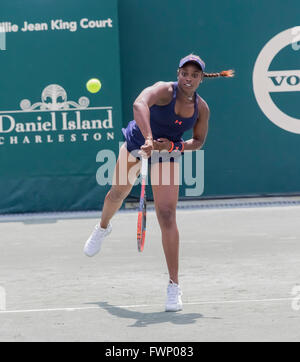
[56,24]
[55,120]
[265,81]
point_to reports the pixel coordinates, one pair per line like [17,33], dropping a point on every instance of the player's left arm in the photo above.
[200,129]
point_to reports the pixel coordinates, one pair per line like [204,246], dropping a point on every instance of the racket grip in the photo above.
[144,169]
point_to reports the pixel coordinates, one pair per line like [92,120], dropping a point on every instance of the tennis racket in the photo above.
[141,223]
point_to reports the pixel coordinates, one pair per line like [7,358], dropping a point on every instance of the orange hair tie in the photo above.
[227,73]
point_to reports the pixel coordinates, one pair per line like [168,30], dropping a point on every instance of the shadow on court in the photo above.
[145,319]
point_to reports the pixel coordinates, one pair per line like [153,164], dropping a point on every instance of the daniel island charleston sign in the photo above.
[56,119]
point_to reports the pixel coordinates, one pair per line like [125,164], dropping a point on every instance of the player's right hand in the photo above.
[147,148]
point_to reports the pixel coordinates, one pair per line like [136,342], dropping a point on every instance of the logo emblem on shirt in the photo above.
[179,122]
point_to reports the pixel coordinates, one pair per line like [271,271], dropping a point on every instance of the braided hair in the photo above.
[223,73]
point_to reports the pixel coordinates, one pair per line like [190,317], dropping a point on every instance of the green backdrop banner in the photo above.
[51,127]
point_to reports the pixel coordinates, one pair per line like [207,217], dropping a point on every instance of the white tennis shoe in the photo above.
[94,243]
[174,302]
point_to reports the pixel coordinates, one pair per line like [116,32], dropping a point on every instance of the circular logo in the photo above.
[266,82]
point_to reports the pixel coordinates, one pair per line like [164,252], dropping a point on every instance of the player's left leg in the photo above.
[165,187]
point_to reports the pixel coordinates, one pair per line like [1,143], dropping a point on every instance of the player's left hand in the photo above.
[162,144]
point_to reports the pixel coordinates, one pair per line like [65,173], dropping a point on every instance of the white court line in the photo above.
[144,305]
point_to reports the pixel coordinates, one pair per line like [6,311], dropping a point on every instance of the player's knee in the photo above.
[166,216]
[116,195]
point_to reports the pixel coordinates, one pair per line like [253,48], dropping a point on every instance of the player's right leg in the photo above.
[125,174]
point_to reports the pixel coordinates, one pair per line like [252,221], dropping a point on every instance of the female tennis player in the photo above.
[162,113]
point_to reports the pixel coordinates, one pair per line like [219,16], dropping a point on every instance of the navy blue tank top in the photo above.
[164,123]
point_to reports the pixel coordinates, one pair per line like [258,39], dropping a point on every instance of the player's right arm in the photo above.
[160,93]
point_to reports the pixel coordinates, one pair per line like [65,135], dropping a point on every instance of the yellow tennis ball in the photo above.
[93,85]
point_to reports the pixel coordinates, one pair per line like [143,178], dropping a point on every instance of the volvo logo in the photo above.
[266,81]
